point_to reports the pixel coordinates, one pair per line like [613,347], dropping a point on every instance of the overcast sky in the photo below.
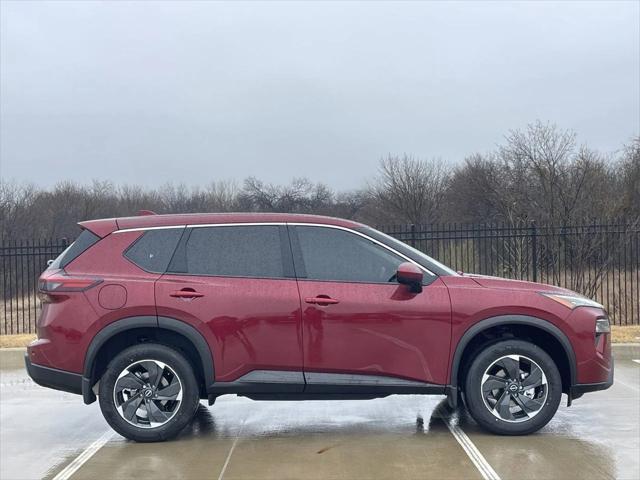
[143,92]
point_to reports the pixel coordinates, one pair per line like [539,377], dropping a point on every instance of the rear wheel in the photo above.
[148,393]
[513,387]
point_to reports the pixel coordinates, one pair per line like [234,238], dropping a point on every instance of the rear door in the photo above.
[358,321]
[235,284]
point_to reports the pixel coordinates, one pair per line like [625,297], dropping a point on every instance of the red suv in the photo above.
[153,313]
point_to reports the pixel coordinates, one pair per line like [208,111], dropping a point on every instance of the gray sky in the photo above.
[193,92]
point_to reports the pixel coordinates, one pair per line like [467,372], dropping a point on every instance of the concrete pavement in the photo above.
[47,434]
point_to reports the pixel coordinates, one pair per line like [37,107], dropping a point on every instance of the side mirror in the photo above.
[409,274]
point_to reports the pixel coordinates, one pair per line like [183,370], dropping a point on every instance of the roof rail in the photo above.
[143,213]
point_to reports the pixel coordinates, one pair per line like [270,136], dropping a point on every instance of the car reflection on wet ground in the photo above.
[53,435]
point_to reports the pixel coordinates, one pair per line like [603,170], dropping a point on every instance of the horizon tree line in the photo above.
[540,173]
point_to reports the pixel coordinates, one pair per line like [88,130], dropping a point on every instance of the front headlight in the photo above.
[602,325]
[572,301]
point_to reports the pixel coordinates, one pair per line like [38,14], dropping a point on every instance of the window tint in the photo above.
[239,251]
[73,251]
[152,252]
[411,252]
[332,254]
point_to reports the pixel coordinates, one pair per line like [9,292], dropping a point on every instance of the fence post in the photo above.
[534,251]
[413,236]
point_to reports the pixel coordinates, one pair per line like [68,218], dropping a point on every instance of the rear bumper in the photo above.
[53,378]
[581,388]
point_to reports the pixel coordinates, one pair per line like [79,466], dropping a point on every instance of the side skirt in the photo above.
[286,385]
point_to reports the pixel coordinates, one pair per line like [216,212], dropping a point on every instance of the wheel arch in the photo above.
[132,330]
[473,336]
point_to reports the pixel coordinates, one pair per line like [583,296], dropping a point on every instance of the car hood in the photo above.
[506,284]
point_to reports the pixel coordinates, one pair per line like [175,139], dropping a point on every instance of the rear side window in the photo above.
[235,251]
[73,251]
[153,251]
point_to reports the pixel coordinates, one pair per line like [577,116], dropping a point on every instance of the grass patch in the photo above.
[625,334]
[18,315]
[10,341]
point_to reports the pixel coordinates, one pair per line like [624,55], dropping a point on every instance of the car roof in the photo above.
[102,227]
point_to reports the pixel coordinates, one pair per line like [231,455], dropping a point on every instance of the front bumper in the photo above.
[54,378]
[581,388]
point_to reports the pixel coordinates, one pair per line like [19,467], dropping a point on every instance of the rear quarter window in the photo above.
[152,252]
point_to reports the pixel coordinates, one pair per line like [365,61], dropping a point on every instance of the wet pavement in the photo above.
[49,434]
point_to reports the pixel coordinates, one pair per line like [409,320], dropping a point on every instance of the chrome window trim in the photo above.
[393,250]
[144,229]
[295,224]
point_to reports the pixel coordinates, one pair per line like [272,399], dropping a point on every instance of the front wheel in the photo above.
[148,393]
[513,387]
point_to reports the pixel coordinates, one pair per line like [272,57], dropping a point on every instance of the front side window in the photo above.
[413,253]
[338,255]
[235,251]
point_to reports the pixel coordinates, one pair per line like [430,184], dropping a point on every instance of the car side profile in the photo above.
[153,313]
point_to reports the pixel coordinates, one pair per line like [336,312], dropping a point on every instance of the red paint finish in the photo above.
[475,298]
[102,227]
[409,272]
[284,324]
[250,324]
[112,296]
[69,324]
[381,329]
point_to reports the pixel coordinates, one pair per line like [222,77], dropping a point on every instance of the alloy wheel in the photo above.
[147,393]
[514,388]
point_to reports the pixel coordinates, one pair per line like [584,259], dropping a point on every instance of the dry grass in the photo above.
[10,341]
[625,334]
[19,315]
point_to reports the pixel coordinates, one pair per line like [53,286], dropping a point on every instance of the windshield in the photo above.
[411,252]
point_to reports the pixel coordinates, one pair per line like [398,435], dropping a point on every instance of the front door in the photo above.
[358,322]
[235,284]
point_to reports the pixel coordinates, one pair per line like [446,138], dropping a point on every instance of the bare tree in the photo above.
[539,173]
[16,212]
[476,193]
[630,180]
[409,190]
[300,196]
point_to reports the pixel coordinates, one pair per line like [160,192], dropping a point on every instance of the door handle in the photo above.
[186,293]
[322,300]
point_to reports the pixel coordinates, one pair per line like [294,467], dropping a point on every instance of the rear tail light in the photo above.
[60,282]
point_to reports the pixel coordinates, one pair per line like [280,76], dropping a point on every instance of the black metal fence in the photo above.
[22,263]
[601,261]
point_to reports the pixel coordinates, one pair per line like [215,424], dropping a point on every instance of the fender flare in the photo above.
[148,321]
[482,325]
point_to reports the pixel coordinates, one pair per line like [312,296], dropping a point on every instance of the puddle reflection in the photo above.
[359,438]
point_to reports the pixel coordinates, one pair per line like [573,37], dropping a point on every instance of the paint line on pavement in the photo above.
[481,463]
[233,447]
[478,460]
[86,454]
[632,387]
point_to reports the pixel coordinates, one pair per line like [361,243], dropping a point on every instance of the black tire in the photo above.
[174,420]
[500,419]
